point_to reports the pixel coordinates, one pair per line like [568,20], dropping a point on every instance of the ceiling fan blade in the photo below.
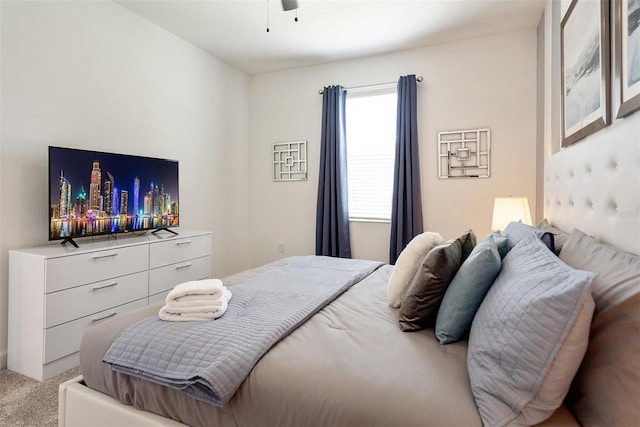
[289,4]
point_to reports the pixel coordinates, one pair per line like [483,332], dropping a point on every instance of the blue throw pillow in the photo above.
[501,242]
[467,290]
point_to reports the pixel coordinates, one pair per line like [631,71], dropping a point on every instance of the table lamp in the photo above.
[508,209]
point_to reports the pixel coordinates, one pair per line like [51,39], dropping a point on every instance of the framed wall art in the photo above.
[290,161]
[464,153]
[627,55]
[585,57]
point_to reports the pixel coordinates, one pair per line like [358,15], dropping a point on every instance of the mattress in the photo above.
[349,364]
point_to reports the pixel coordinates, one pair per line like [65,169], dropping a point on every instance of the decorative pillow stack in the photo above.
[529,336]
[419,307]
[527,313]
[407,264]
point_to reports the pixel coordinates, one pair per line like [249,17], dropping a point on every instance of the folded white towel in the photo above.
[197,290]
[196,301]
[194,313]
[190,317]
[199,300]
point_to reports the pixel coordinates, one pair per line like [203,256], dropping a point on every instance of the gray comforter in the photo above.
[349,365]
[209,360]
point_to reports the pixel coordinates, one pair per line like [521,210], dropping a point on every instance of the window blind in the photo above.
[371,127]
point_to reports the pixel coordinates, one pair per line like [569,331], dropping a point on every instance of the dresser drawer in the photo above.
[64,339]
[74,270]
[159,298]
[179,249]
[70,304]
[164,278]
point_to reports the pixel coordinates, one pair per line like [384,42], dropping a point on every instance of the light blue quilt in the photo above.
[209,360]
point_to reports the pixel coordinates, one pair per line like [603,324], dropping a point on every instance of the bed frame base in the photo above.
[78,405]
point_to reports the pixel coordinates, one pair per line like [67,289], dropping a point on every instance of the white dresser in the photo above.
[57,291]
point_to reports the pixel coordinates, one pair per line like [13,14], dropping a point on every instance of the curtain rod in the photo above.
[374,86]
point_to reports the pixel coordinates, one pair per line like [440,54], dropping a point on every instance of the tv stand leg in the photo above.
[164,229]
[70,240]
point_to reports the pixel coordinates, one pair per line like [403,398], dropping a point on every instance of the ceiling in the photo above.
[235,31]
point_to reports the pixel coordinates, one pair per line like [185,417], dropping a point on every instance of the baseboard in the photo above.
[3,360]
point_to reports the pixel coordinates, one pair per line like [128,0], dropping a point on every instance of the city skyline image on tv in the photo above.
[93,193]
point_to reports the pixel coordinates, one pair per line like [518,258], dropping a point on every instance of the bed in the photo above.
[351,364]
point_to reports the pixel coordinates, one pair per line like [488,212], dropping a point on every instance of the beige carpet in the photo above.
[26,402]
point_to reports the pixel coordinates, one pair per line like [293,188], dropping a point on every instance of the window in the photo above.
[371,138]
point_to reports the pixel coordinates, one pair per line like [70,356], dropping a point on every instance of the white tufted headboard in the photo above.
[595,186]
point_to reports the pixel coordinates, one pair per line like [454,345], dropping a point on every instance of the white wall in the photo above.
[484,82]
[94,75]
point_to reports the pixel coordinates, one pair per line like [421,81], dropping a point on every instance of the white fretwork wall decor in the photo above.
[464,154]
[290,161]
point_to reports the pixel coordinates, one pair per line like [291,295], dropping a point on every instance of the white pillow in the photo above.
[408,263]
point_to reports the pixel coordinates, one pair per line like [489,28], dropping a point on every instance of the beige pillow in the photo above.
[606,388]
[407,264]
[617,273]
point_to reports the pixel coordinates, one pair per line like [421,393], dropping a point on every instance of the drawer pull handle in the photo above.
[104,317]
[184,242]
[97,288]
[181,266]
[105,256]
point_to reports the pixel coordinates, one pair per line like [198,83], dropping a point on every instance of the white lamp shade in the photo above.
[508,209]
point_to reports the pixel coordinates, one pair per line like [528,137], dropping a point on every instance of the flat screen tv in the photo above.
[94,193]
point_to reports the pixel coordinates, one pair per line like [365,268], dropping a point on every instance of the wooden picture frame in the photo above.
[586,71]
[627,55]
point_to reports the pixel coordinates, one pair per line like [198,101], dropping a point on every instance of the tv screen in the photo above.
[93,193]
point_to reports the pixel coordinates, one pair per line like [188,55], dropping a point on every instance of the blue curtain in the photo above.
[406,211]
[332,216]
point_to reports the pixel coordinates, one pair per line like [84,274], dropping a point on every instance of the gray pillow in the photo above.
[467,290]
[515,231]
[420,305]
[520,328]
[468,242]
